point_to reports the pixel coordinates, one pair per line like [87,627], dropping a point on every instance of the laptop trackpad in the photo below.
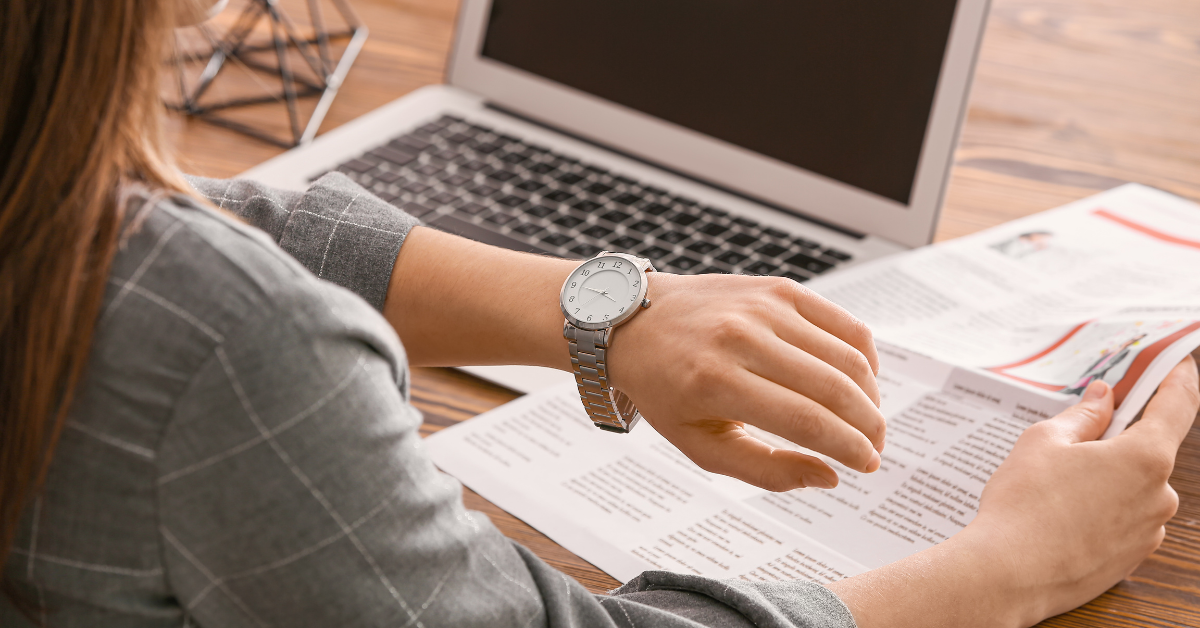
[465,229]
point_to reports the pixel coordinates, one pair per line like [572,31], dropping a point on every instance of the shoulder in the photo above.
[188,279]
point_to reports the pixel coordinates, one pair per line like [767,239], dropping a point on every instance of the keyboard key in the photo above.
[775,233]
[656,209]
[653,190]
[713,211]
[702,247]
[837,255]
[568,221]
[761,268]
[458,138]
[416,209]
[586,250]
[487,149]
[599,189]
[409,143]
[570,178]
[443,198]
[772,250]
[733,258]
[358,165]
[616,216]
[529,229]
[683,262]
[713,229]
[625,243]
[530,186]
[674,237]
[596,170]
[556,239]
[541,211]
[543,168]
[511,201]
[389,176]
[393,156]
[745,222]
[806,244]
[587,206]
[809,263]
[387,196]
[416,187]
[514,158]
[709,270]
[429,169]
[644,226]
[627,198]
[794,276]
[683,219]
[499,218]
[742,239]
[597,231]
[457,180]
[655,252]
[483,189]
[501,175]
[472,208]
[559,196]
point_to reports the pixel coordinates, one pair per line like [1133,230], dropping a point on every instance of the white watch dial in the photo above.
[603,289]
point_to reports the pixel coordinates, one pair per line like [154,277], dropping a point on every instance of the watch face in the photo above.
[602,292]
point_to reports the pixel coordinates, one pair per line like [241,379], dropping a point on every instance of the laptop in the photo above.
[711,136]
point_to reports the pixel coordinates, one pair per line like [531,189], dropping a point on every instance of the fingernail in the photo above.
[817,481]
[874,463]
[1095,391]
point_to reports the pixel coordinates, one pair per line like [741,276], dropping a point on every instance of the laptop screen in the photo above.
[841,89]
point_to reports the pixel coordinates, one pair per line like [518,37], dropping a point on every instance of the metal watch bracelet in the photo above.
[609,409]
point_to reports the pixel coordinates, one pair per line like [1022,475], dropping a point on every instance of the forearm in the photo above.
[454,301]
[962,582]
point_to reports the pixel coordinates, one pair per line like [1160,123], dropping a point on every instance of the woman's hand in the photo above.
[714,352]
[1062,520]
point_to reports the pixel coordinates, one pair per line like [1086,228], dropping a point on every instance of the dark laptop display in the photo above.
[842,89]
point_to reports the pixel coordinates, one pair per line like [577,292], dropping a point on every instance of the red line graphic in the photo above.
[998,369]
[1153,233]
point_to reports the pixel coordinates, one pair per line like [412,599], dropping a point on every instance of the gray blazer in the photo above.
[242,452]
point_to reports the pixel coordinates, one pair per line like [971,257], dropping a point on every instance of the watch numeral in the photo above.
[574,283]
[589,318]
[637,283]
[576,310]
[600,264]
[571,300]
[620,310]
[616,264]
[586,273]
[606,317]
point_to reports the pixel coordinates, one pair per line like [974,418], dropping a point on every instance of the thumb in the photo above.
[1087,419]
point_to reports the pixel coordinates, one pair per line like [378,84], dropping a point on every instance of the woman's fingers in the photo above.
[1086,420]
[802,334]
[748,398]
[824,314]
[727,449]
[812,376]
[1169,415]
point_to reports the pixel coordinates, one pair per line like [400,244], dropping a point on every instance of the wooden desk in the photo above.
[1071,97]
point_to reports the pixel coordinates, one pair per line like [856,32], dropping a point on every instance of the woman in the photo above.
[198,426]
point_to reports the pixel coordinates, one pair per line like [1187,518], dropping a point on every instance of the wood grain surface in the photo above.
[1071,97]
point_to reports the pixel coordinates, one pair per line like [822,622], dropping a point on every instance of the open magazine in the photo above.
[979,338]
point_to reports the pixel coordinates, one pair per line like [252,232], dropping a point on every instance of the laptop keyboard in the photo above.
[497,188]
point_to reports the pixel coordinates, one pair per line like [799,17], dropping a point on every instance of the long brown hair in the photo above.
[79,123]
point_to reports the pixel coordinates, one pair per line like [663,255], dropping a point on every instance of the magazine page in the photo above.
[632,502]
[1103,288]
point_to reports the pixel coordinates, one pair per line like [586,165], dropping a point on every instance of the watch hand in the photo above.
[593,299]
[595,290]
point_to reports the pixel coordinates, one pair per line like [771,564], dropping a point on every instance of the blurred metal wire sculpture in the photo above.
[285,36]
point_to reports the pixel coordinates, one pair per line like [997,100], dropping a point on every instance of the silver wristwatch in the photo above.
[600,294]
